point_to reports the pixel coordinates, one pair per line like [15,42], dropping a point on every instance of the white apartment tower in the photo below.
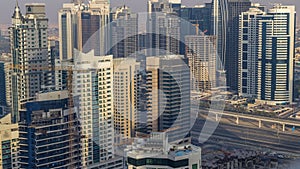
[248,52]
[29,48]
[93,82]
[276,55]
[266,54]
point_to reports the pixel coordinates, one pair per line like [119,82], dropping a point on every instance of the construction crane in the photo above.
[72,129]
[196,25]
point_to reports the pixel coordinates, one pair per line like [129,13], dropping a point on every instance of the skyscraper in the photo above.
[53,52]
[29,48]
[266,54]
[219,20]
[276,55]
[51,128]
[2,84]
[5,80]
[126,97]
[124,32]
[164,6]
[201,54]
[198,15]
[168,92]
[93,83]
[68,24]
[94,29]
[84,27]
[235,8]
[248,52]
[163,25]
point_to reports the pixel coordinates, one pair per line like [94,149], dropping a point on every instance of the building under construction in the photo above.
[49,132]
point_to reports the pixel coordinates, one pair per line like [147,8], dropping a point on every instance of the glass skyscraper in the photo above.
[235,8]
[84,27]
[124,28]
[219,21]
[163,25]
[198,15]
[168,96]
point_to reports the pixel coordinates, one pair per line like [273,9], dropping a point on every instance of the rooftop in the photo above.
[158,147]
[55,95]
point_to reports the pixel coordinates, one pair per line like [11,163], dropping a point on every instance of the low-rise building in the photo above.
[156,152]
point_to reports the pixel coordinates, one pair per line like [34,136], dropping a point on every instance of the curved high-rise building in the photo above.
[219,29]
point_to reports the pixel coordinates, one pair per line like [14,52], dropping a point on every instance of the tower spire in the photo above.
[17,17]
[17,12]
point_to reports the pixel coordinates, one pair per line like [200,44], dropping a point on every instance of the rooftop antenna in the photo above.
[17,13]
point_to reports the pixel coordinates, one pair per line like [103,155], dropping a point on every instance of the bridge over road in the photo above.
[260,119]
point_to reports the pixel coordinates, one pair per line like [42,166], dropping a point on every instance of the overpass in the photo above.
[259,119]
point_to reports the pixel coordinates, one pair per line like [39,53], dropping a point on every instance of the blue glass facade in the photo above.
[6,154]
[45,137]
[198,15]
[219,24]
[2,85]
[235,8]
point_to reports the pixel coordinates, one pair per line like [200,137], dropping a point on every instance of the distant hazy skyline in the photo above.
[7,6]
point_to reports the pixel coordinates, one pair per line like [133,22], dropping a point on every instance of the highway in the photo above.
[247,134]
